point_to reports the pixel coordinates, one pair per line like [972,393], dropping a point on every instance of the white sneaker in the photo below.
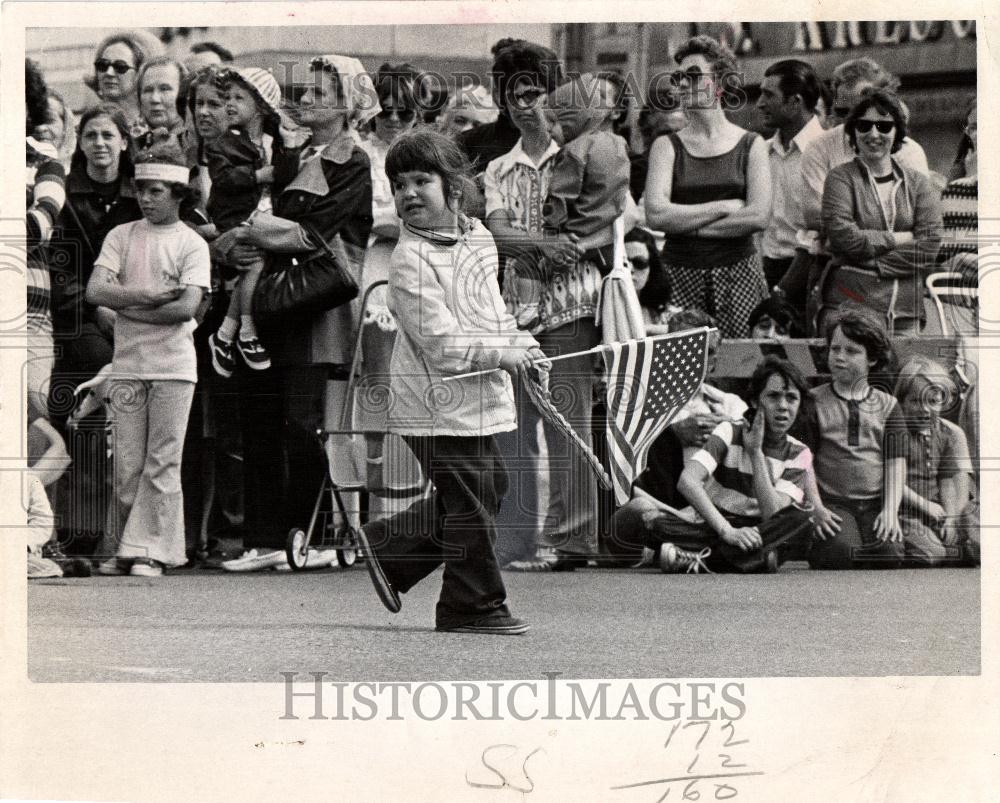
[39,567]
[674,560]
[142,567]
[316,559]
[254,561]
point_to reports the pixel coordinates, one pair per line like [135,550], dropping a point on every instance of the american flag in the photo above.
[648,382]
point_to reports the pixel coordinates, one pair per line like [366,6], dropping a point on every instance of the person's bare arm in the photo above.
[180,309]
[754,215]
[104,290]
[661,213]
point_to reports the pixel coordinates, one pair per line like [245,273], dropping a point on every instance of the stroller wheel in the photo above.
[297,549]
[347,555]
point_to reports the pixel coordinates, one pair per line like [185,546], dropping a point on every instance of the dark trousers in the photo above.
[855,546]
[455,526]
[786,525]
[283,462]
[775,269]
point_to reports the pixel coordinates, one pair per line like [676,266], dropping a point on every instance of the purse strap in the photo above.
[335,251]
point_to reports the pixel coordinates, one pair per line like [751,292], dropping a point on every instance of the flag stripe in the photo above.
[648,382]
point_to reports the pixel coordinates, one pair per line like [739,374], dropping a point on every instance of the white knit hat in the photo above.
[263,84]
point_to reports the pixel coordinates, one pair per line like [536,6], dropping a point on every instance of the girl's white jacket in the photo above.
[445,295]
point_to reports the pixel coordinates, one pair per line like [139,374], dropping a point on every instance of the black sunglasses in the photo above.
[638,263]
[882,126]
[120,67]
[692,74]
[404,115]
[841,111]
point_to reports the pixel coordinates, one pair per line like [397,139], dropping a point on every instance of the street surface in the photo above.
[204,626]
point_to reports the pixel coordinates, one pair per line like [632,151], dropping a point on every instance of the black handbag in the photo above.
[300,285]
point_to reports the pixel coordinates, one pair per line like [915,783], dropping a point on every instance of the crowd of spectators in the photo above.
[827,228]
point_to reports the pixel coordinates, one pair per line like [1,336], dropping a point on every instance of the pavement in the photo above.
[201,626]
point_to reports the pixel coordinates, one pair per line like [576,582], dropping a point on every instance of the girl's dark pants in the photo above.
[455,525]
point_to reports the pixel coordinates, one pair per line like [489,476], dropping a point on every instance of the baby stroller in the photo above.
[350,471]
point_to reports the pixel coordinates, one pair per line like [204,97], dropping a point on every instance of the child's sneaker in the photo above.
[254,353]
[674,560]
[222,355]
[146,567]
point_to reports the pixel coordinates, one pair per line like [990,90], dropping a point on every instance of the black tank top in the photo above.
[698,180]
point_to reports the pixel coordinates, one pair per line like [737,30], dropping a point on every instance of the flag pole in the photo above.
[594,350]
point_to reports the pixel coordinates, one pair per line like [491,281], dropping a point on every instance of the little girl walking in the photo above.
[240,166]
[445,295]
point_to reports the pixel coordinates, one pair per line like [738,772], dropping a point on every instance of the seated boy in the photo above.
[745,488]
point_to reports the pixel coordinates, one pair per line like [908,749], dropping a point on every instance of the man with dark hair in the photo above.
[787,103]
[745,488]
[206,54]
[515,62]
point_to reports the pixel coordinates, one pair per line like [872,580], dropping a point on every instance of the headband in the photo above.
[158,171]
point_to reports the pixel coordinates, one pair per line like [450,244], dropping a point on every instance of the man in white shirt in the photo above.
[850,81]
[787,103]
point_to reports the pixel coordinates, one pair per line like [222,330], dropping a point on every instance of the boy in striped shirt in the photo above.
[745,486]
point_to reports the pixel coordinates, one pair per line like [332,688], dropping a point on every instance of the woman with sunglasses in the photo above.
[882,221]
[117,61]
[321,190]
[709,190]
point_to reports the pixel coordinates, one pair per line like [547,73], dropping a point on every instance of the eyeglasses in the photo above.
[120,67]
[638,263]
[692,74]
[841,111]
[404,115]
[882,126]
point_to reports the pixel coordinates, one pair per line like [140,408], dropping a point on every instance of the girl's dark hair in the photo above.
[428,151]
[656,293]
[114,113]
[773,364]
[864,327]
[36,96]
[206,76]
[884,102]
[805,427]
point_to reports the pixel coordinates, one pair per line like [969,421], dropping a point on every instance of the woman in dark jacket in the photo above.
[882,221]
[99,196]
[322,190]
